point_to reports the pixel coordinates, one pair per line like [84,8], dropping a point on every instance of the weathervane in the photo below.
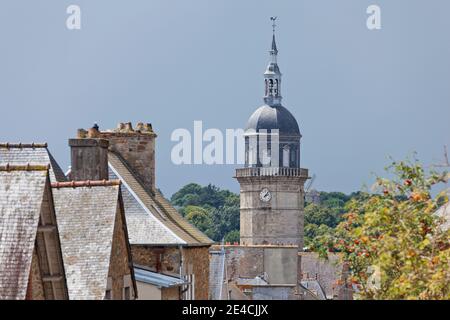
[273,23]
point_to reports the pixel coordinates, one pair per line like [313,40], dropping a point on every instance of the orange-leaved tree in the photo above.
[394,243]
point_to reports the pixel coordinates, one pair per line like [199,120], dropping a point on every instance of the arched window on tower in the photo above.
[270,87]
[275,90]
[294,157]
[286,156]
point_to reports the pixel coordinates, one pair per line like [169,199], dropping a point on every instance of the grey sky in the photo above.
[358,95]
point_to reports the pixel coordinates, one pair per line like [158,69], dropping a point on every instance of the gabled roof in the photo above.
[151,219]
[33,153]
[21,195]
[86,217]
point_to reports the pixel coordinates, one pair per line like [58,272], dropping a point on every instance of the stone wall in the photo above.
[160,259]
[172,293]
[119,262]
[277,263]
[36,287]
[278,221]
[196,261]
[168,260]
[138,151]
[275,293]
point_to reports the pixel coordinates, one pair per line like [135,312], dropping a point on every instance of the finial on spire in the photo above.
[274,50]
[273,23]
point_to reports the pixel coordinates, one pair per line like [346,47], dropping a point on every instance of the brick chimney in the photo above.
[136,147]
[89,156]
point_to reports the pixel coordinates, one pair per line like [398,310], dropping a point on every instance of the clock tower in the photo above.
[272,182]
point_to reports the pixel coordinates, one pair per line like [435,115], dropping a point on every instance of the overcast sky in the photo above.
[358,95]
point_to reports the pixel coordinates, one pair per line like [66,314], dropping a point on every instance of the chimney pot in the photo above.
[129,127]
[120,126]
[148,127]
[140,127]
[81,133]
[93,132]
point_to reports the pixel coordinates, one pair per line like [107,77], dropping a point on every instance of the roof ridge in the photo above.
[131,171]
[181,233]
[24,167]
[86,183]
[179,220]
[33,145]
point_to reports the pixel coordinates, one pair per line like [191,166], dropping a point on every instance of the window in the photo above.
[108,295]
[286,156]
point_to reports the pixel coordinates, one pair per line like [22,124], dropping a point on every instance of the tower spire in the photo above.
[272,76]
[274,50]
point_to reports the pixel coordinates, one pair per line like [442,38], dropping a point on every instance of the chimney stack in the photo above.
[89,156]
[136,147]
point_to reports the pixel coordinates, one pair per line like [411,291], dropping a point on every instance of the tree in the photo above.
[212,210]
[201,218]
[322,214]
[232,236]
[226,218]
[185,196]
[392,239]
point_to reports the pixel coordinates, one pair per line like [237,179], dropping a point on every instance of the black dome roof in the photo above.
[276,117]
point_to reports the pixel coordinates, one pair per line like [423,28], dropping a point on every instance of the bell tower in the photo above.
[272,181]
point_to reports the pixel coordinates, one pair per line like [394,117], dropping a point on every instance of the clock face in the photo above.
[265,195]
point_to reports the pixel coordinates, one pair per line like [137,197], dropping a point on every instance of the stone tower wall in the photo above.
[279,221]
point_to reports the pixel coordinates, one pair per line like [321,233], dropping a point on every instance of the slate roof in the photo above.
[21,195]
[314,288]
[86,218]
[325,272]
[33,153]
[151,219]
[273,117]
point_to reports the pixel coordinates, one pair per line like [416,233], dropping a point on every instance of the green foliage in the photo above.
[199,217]
[232,236]
[212,210]
[394,243]
[324,214]
[321,220]
[196,195]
